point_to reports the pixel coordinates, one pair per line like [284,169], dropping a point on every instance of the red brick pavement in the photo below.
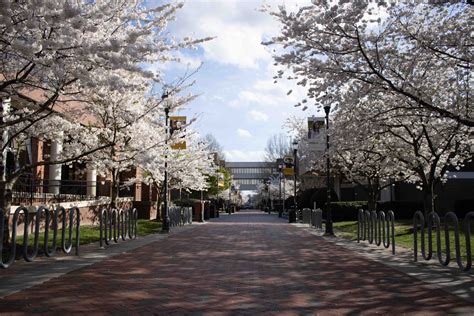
[246,263]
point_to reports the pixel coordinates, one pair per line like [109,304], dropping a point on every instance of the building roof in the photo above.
[249,164]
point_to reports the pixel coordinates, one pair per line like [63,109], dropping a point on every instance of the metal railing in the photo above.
[180,216]
[28,190]
[116,224]
[376,228]
[434,222]
[66,245]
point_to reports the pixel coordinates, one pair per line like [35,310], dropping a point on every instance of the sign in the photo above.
[315,127]
[176,125]
[289,160]
[317,133]
[288,171]
[289,168]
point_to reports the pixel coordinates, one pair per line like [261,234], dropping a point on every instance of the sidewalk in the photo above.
[449,279]
[23,275]
[245,263]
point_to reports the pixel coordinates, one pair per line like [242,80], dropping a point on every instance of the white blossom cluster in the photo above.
[75,72]
[399,78]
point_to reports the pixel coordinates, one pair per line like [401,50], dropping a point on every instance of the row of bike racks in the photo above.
[434,222]
[116,224]
[39,214]
[376,228]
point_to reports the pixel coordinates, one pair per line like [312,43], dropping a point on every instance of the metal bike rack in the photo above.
[115,224]
[378,228]
[29,257]
[434,222]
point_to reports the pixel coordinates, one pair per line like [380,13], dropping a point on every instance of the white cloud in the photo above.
[244,155]
[236,102]
[258,116]
[243,133]
[239,28]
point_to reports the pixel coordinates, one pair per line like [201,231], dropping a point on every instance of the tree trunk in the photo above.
[159,201]
[6,197]
[371,200]
[373,191]
[428,199]
[114,190]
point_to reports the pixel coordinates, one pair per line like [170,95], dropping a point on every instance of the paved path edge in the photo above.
[449,279]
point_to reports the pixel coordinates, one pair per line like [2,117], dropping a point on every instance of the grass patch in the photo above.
[404,236]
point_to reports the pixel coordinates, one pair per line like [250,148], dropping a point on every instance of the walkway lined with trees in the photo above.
[248,262]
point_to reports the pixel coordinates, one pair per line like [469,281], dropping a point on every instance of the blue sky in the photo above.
[239,103]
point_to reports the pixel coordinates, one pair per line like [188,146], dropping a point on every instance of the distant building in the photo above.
[248,174]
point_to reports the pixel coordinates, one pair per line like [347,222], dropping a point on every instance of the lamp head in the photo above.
[327,109]
[294,145]
[327,104]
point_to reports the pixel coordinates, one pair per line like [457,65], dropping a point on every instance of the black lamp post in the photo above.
[295,156]
[166,215]
[280,207]
[217,191]
[329,230]
[265,196]
[230,196]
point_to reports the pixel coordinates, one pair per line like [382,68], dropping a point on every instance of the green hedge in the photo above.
[186,202]
[346,211]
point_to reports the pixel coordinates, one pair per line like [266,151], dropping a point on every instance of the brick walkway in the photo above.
[248,263]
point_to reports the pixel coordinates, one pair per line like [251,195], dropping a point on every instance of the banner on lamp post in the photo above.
[289,168]
[316,133]
[176,125]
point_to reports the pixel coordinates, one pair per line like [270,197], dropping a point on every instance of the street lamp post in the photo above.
[264,195]
[217,191]
[329,230]
[280,209]
[269,202]
[295,156]
[166,215]
[230,194]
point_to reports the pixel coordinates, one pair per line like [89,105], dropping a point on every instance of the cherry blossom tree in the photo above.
[420,145]
[55,54]
[417,51]
[399,74]
[376,139]
[188,169]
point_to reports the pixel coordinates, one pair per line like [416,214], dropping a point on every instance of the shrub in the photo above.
[462,207]
[186,202]
[346,211]
[402,209]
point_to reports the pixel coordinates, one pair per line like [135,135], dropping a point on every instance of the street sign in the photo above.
[289,160]
[289,168]
[288,171]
